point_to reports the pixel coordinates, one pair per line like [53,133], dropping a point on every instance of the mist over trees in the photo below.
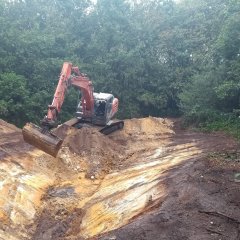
[160,58]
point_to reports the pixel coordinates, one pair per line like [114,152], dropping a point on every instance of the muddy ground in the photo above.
[152,180]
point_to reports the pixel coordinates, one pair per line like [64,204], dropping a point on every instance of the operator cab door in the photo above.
[100,108]
[100,112]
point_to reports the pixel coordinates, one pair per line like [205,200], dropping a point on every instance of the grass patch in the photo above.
[214,121]
[231,127]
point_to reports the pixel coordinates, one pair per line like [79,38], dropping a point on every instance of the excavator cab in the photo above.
[103,109]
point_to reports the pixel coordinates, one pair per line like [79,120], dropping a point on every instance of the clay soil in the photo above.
[151,180]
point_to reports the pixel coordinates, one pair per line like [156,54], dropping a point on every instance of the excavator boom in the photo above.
[42,137]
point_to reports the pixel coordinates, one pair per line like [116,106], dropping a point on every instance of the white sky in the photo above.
[138,1]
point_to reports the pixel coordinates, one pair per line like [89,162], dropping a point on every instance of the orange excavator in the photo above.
[94,110]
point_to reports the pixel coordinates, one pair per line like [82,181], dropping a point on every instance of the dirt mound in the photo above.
[89,150]
[63,130]
[88,140]
[137,131]
[148,126]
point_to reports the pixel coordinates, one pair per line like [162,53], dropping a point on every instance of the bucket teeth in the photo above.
[45,141]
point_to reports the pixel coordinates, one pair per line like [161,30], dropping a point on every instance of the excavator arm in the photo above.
[50,120]
[70,76]
[41,137]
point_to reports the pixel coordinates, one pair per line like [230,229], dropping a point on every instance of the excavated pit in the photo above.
[98,184]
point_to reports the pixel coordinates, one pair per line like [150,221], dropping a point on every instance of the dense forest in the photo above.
[159,57]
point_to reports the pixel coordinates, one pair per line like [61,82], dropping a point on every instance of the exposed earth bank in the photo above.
[151,180]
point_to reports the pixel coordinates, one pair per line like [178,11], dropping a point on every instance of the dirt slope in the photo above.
[202,197]
[150,181]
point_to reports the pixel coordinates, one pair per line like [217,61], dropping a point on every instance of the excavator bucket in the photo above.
[46,141]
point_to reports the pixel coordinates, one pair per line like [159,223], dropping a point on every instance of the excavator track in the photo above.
[114,126]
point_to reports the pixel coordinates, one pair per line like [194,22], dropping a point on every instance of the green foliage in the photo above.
[212,94]
[228,124]
[212,120]
[14,96]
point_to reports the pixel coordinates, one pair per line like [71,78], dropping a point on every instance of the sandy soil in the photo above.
[150,180]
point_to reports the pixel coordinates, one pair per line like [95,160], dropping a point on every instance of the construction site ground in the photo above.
[152,180]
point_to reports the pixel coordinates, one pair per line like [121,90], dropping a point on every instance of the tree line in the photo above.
[159,57]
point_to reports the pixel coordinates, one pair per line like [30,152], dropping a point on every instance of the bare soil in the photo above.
[203,194]
[151,180]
